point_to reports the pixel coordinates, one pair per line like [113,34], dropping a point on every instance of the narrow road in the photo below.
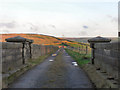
[59,73]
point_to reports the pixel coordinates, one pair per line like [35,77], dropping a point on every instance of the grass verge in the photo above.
[81,59]
[32,62]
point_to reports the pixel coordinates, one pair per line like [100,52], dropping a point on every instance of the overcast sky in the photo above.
[68,18]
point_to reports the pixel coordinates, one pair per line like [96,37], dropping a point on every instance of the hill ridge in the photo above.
[38,38]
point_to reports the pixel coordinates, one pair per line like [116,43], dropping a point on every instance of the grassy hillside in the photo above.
[38,39]
[85,40]
[43,39]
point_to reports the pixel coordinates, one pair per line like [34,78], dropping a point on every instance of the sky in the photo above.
[60,18]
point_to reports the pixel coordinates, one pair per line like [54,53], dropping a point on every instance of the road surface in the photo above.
[55,72]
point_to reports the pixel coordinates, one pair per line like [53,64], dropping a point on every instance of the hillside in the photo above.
[42,39]
[85,39]
[38,39]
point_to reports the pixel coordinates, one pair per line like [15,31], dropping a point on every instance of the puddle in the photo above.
[75,63]
[51,60]
[67,56]
[54,54]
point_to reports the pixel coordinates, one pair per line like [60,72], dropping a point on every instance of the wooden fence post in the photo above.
[86,49]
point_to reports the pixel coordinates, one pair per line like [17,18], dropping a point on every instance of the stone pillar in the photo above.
[95,40]
[22,40]
[30,43]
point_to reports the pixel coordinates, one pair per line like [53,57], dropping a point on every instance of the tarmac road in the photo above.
[59,72]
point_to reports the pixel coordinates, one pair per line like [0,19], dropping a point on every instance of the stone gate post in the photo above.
[95,40]
[24,41]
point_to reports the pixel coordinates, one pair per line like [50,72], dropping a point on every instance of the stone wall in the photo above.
[106,57]
[13,54]
[27,50]
[39,50]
